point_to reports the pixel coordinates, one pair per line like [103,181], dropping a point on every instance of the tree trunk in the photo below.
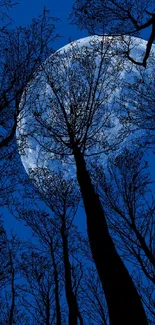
[48,310]
[124,304]
[74,313]
[56,280]
[12,308]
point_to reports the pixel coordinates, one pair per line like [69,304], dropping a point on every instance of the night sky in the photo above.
[22,14]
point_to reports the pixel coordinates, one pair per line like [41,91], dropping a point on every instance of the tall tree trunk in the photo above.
[11,316]
[48,310]
[74,312]
[56,280]
[124,304]
[12,308]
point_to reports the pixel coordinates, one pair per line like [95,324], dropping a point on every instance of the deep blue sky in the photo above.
[23,14]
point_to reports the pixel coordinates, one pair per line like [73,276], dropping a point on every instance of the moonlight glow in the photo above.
[91,73]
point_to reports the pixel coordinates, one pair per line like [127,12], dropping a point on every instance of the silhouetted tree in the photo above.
[126,191]
[38,294]
[22,51]
[74,125]
[94,301]
[58,233]
[5,263]
[11,311]
[62,196]
[115,17]
[49,248]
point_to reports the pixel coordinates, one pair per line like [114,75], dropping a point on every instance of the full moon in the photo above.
[91,74]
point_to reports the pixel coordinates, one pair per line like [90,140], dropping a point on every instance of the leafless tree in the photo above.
[10,309]
[58,234]
[71,121]
[96,311]
[38,294]
[126,191]
[115,17]
[22,51]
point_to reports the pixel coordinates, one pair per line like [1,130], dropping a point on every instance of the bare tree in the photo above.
[96,311]
[38,296]
[22,51]
[115,17]
[49,250]
[77,111]
[139,103]
[62,196]
[11,311]
[126,191]
[58,234]
[5,263]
